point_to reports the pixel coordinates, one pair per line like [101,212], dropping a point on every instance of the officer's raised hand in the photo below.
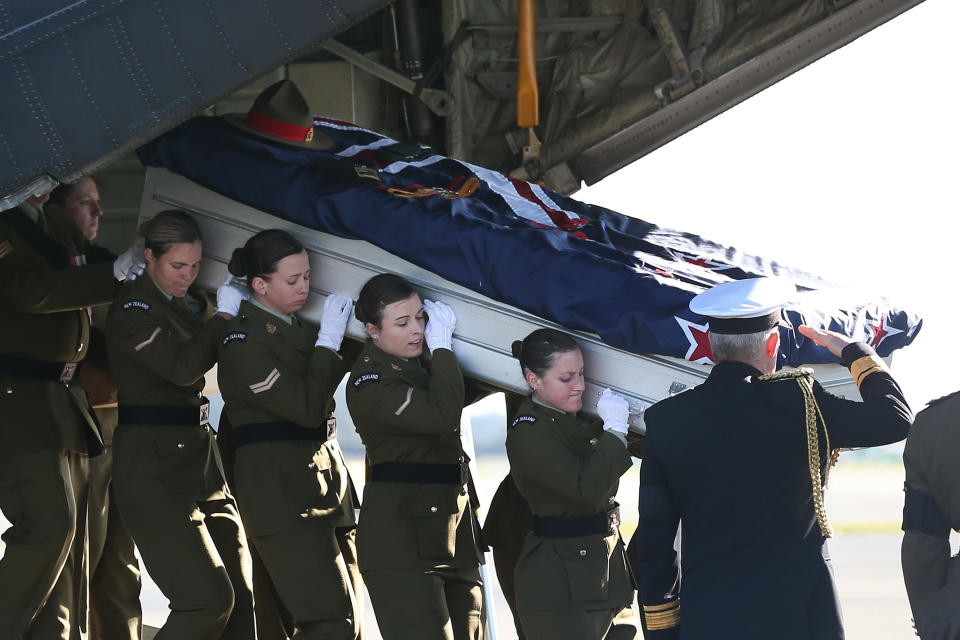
[337,310]
[229,296]
[439,330]
[614,410]
[833,341]
[125,261]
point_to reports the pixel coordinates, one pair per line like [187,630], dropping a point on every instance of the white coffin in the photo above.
[485,328]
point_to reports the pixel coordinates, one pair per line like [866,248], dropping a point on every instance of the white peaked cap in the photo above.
[744,306]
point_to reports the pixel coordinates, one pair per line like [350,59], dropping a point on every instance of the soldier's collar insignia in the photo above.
[395,366]
[142,305]
[522,418]
[270,327]
[236,336]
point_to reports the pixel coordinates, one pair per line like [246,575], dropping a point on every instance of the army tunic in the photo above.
[931,509]
[410,533]
[167,475]
[568,469]
[293,489]
[729,460]
[48,429]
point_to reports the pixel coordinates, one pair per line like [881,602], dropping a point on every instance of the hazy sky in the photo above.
[845,169]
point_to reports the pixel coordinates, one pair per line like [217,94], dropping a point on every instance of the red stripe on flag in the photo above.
[559,218]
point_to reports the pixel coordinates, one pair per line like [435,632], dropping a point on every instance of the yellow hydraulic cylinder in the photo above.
[528,98]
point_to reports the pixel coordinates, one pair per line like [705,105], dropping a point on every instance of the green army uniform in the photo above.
[115,611]
[931,509]
[293,489]
[113,568]
[48,430]
[167,477]
[273,620]
[572,577]
[417,537]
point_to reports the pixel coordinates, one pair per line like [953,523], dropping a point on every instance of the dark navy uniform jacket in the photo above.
[729,460]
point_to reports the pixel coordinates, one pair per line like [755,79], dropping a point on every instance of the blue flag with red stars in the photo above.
[582,266]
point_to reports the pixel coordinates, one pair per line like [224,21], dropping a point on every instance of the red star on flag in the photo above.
[882,330]
[698,335]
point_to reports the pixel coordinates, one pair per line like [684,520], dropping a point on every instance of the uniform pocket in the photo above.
[435,513]
[586,562]
[315,488]
[183,460]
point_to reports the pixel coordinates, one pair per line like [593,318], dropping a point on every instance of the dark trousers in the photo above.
[442,604]
[42,578]
[315,573]
[115,612]
[196,553]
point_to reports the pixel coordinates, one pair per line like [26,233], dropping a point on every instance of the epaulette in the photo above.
[522,418]
[779,376]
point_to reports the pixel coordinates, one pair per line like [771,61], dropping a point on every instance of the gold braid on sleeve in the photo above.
[804,378]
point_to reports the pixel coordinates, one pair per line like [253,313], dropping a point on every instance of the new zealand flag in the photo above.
[579,265]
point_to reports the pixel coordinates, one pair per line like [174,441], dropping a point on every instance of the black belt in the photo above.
[598,523]
[147,414]
[418,472]
[282,430]
[56,371]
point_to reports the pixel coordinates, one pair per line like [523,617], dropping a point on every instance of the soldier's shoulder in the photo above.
[672,404]
[950,399]
[134,298]
[948,405]
[367,371]
[523,419]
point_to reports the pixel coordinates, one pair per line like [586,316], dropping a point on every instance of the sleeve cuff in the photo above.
[854,351]
[662,616]
[862,361]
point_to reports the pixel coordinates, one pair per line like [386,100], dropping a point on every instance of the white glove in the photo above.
[614,411]
[440,323]
[136,270]
[126,260]
[333,322]
[230,295]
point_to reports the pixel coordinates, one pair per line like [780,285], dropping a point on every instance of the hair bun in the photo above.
[238,263]
[516,347]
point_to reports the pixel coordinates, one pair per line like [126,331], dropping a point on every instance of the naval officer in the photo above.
[168,480]
[740,462]
[417,539]
[277,376]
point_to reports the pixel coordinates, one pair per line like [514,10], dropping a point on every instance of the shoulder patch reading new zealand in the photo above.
[523,418]
[142,305]
[236,336]
[366,378]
